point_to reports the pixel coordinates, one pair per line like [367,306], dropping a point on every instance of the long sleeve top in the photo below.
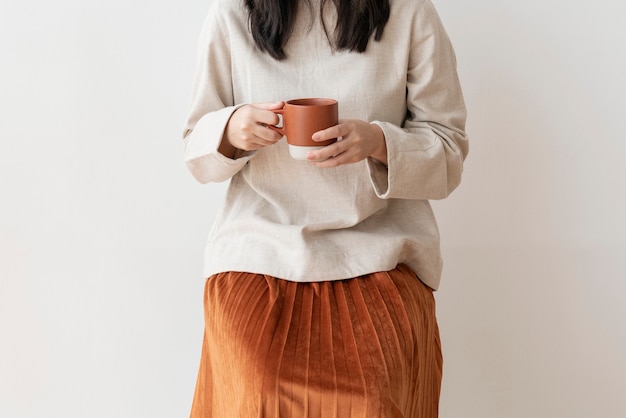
[289,219]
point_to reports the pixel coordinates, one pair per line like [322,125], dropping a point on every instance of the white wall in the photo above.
[101,227]
[531,307]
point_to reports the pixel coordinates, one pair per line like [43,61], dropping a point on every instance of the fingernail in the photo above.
[315,137]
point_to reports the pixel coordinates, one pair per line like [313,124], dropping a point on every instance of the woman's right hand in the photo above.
[247,128]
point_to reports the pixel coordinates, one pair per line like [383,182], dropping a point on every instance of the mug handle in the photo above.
[280,129]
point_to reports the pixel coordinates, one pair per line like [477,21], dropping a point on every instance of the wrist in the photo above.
[226,148]
[380,153]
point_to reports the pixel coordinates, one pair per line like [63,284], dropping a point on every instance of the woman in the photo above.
[319,301]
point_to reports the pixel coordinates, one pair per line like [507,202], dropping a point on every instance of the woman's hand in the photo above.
[360,140]
[247,128]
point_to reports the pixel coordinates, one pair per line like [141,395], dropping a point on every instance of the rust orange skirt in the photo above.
[366,347]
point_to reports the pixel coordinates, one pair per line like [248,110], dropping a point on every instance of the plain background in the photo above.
[102,227]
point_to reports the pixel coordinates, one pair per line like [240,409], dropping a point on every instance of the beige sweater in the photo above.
[289,219]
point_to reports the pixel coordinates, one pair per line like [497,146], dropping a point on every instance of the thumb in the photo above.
[270,105]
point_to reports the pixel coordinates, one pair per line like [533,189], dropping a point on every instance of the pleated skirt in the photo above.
[358,348]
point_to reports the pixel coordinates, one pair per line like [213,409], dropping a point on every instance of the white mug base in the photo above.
[298,152]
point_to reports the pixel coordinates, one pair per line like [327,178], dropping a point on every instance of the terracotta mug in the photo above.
[301,118]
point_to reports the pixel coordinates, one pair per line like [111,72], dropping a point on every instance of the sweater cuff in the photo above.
[201,153]
[379,172]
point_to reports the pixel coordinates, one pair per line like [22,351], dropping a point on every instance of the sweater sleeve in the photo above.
[211,106]
[425,156]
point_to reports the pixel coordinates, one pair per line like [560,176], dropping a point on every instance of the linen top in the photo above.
[289,219]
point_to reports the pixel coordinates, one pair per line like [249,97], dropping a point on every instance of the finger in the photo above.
[265,112]
[267,133]
[328,151]
[269,105]
[334,161]
[333,132]
[257,137]
[266,117]
[256,143]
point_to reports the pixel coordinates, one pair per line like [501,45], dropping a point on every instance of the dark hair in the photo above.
[271,23]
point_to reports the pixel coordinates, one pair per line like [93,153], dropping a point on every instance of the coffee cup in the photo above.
[301,118]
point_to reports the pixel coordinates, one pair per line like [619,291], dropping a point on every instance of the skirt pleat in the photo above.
[358,348]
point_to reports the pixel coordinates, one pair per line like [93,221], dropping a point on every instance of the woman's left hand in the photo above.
[359,140]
